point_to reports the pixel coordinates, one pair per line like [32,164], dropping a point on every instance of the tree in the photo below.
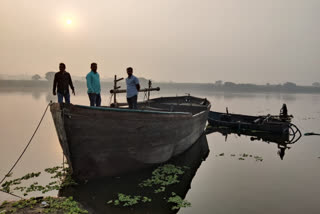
[229,84]
[316,84]
[36,77]
[50,75]
[289,84]
[218,83]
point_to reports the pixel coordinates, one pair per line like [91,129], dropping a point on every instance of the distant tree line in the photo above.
[48,76]
[218,85]
[36,77]
[249,87]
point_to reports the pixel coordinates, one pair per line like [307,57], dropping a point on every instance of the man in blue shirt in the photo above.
[93,84]
[133,88]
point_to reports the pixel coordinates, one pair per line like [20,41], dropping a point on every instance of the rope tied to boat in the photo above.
[24,150]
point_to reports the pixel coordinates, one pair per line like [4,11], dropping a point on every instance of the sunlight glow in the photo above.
[69,21]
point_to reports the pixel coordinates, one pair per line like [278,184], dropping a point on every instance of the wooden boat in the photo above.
[104,141]
[254,135]
[283,141]
[95,194]
[268,124]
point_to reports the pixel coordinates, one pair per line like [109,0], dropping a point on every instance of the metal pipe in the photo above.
[112,91]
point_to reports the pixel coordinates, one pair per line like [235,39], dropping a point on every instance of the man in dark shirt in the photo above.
[62,80]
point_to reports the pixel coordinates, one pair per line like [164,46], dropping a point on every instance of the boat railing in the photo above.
[116,90]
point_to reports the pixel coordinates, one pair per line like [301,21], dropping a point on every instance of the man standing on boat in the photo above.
[133,88]
[62,80]
[93,84]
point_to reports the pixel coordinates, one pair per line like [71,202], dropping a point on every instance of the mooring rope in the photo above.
[14,165]
[11,194]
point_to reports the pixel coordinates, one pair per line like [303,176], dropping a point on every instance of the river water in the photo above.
[222,183]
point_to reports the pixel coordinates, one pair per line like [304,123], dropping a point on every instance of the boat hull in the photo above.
[94,194]
[107,142]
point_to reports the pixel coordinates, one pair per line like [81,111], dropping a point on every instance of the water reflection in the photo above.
[283,141]
[36,95]
[95,194]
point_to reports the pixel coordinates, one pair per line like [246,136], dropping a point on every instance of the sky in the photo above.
[243,41]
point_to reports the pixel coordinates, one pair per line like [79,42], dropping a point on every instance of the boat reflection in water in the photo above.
[282,140]
[95,194]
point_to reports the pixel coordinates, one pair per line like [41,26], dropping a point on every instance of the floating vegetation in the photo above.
[161,178]
[4,204]
[243,156]
[43,205]
[178,201]
[128,200]
[6,186]
[9,175]
[61,175]
[308,118]
[258,158]
[62,178]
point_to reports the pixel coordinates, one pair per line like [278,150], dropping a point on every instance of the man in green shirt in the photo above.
[93,84]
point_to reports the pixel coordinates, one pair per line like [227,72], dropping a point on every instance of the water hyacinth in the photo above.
[128,200]
[161,177]
[61,175]
[178,201]
[244,156]
[34,205]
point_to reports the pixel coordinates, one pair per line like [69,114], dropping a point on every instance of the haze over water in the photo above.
[248,41]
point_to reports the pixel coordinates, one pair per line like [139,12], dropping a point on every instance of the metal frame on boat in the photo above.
[268,124]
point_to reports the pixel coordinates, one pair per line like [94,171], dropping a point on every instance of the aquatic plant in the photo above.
[178,201]
[53,205]
[6,186]
[244,156]
[258,158]
[67,205]
[128,200]
[61,175]
[9,175]
[163,176]
[3,204]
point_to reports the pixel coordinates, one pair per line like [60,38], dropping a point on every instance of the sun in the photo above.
[69,21]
